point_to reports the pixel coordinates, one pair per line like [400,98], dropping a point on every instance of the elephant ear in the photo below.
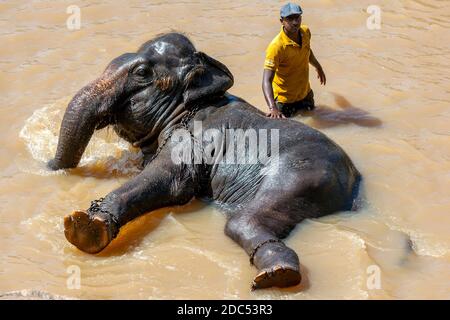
[206,79]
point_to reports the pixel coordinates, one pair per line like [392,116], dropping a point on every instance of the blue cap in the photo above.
[289,9]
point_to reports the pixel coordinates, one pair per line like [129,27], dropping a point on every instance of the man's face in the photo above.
[292,23]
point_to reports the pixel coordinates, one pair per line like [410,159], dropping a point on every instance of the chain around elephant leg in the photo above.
[91,230]
[278,266]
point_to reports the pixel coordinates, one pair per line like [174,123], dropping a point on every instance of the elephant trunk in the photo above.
[85,112]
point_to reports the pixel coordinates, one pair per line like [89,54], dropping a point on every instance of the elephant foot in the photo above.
[278,264]
[278,276]
[88,233]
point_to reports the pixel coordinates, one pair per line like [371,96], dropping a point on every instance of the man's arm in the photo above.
[320,74]
[268,94]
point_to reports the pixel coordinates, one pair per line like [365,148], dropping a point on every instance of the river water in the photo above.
[386,103]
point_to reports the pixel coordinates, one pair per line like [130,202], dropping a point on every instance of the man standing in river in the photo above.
[285,84]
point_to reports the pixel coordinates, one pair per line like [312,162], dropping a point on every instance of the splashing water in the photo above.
[106,153]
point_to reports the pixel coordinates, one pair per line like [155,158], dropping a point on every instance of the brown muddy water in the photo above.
[387,103]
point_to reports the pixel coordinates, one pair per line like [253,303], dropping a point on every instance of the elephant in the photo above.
[167,85]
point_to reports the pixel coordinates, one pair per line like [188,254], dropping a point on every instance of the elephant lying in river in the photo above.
[165,85]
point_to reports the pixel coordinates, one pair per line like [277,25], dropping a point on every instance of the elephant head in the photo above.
[141,94]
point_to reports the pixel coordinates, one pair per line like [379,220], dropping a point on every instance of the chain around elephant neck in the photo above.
[182,124]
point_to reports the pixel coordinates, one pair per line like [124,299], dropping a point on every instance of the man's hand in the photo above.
[268,95]
[321,75]
[275,113]
[316,64]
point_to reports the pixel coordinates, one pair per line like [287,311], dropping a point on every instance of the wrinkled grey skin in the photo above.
[144,94]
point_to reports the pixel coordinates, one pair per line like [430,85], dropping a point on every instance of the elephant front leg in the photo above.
[161,184]
[90,231]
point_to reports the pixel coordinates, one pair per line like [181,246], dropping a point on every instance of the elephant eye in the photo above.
[142,70]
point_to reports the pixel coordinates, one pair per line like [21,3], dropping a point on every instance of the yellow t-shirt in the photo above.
[291,65]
